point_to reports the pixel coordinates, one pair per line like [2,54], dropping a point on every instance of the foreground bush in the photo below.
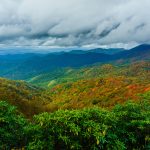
[12,133]
[76,129]
[133,125]
[125,127]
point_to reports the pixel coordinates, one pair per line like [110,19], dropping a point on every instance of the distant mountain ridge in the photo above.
[139,52]
[109,51]
[23,66]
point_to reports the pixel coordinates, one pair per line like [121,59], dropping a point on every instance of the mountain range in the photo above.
[25,66]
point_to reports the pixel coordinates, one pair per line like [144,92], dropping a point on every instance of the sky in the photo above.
[50,24]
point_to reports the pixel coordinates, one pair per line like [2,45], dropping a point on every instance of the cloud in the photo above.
[69,23]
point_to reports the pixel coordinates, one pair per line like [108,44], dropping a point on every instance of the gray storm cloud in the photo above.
[82,23]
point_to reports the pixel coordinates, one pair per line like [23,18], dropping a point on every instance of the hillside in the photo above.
[28,98]
[102,86]
[102,92]
[138,70]
[71,85]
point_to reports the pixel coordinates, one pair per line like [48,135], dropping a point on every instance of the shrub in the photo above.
[77,129]
[12,125]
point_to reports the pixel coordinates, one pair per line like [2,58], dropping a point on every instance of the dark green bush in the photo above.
[125,127]
[12,125]
[133,124]
[76,129]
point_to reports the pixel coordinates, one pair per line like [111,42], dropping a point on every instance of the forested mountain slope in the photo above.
[102,86]
[139,70]
[27,97]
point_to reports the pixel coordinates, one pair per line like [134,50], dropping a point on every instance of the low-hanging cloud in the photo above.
[68,23]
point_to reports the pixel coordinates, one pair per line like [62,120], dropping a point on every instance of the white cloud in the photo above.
[74,22]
